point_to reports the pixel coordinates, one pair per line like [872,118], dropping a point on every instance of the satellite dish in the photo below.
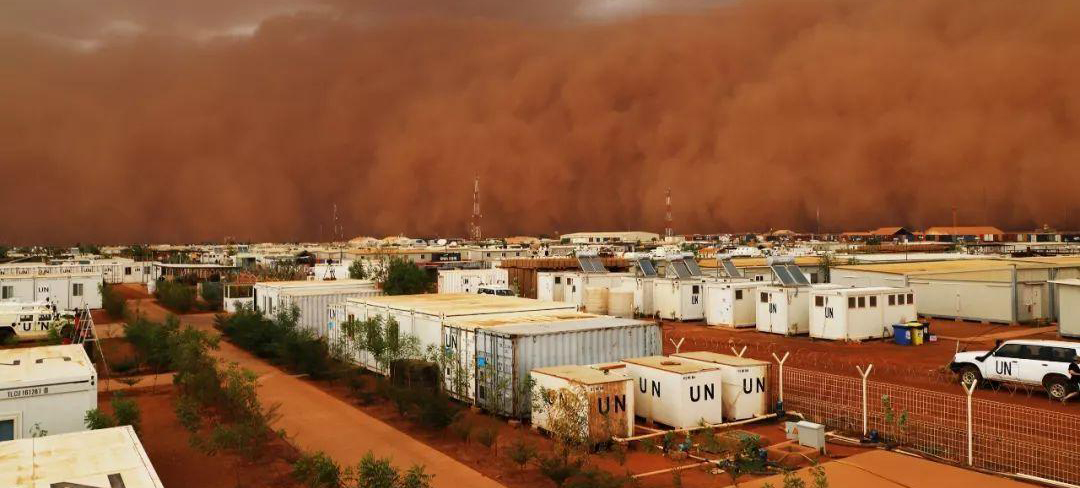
[441,242]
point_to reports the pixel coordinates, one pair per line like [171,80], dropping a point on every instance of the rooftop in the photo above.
[672,365]
[458,304]
[77,459]
[582,374]
[500,320]
[963,231]
[760,262]
[956,265]
[308,284]
[36,365]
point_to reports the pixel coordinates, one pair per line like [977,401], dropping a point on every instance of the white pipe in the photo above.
[864,408]
[669,470]
[969,391]
[781,374]
[1044,480]
[692,429]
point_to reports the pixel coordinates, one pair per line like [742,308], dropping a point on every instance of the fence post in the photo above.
[864,409]
[738,353]
[677,344]
[780,375]
[969,390]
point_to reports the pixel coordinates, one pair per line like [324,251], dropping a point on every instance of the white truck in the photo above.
[1027,362]
[497,290]
[30,321]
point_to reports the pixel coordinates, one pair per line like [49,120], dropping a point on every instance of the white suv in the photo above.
[501,291]
[1028,362]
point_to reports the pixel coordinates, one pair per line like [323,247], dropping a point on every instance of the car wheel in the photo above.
[6,335]
[970,374]
[1057,388]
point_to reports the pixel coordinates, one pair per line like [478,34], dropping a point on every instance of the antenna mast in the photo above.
[668,231]
[474,227]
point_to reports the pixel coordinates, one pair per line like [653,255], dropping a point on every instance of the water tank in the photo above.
[596,299]
[621,303]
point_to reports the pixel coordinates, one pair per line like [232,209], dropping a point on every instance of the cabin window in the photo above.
[764,298]
[819,301]
[850,302]
[759,278]
[738,294]
[127,270]
[892,299]
[910,298]
[7,292]
[695,289]
[862,302]
[873,301]
[76,289]
[813,277]
[900,299]
[558,279]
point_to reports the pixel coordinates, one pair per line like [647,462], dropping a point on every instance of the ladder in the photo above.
[84,331]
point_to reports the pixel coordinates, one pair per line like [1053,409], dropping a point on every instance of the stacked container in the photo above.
[607,394]
[675,391]
[745,394]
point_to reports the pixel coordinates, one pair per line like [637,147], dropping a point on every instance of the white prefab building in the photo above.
[731,304]
[745,392]
[607,395]
[577,288]
[854,314]
[112,270]
[676,392]
[679,299]
[785,309]
[1068,299]
[94,458]
[312,298]
[423,315]
[66,291]
[469,280]
[47,389]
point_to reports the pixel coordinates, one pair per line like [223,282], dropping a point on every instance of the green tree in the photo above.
[404,277]
[357,271]
[317,471]
[112,302]
[825,265]
[213,294]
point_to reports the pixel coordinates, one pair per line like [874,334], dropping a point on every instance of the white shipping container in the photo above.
[66,291]
[859,313]
[95,458]
[676,392]
[46,388]
[312,298]
[608,396]
[469,280]
[745,394]
[679,299]
[731,304]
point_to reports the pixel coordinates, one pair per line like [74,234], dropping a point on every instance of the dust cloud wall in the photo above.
[129,123]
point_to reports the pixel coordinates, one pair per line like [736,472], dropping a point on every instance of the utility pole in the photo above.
[474,226]
[668,231]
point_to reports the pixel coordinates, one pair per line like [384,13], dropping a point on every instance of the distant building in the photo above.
[610,237]
[976,233]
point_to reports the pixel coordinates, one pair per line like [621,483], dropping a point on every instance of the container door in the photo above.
[1033,301]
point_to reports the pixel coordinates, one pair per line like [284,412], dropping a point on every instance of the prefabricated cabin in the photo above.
[859,313]
[679,299]
[785,309]
[469,280]
[311,298]
[48,388]
[745,383]
[607,395]
[676,392]
[103,458]
[731,303]
[66,291]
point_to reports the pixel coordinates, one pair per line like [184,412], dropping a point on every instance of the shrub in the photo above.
[559,467]
[112,302]
[437,411]
[486,436]
[373,472]
[462,429]
[597,478]
[521,452]
[213,294]
[317,471]
[152,340]
[357,271]
[404,277]
[126,411]
[96,419]
[175,295]
[125,365]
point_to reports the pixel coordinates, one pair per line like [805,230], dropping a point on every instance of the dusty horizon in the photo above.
[128,122]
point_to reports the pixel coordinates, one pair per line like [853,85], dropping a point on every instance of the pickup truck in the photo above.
[1026,362]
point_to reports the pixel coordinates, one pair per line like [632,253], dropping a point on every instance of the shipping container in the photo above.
[607,395]
[111,457]
[679,299]
[47,388]
[731,303]
[676,392]
[745,391]
[859,313]
[66,291]
[312,298]
[785,309]
[505,354]
[469,280]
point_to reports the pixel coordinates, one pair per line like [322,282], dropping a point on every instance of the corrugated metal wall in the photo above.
[315,309]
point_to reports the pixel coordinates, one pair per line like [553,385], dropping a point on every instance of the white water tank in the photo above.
[621,303]
[596,300]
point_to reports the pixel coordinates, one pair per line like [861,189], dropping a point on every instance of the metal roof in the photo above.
[672,365]
[955,265]
[556,327]
[502,320]
[725,359]
[458,304]
[85,458]
[582,374]
[41,365]
[864,290]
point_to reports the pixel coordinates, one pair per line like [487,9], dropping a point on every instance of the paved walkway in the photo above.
[318,421]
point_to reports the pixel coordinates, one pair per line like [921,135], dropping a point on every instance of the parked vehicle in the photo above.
[1026,362]
[30,321]
[501,291]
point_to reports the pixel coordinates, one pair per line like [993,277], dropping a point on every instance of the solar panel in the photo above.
[797,275]
[647,268]
[598,265]
[591,264]
[731,270]
[583,262]
[782,275]
[680,269]
[692,265]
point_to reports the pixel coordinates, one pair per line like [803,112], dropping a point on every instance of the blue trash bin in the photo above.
[902,334]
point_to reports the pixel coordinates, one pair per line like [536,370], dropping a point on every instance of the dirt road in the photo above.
[317,421]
